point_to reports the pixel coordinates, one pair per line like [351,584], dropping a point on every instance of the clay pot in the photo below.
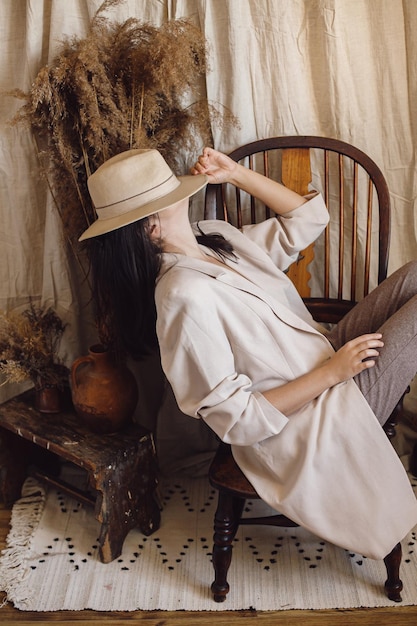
[48,398]
[104,393]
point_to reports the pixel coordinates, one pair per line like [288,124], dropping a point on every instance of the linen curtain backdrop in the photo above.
[338,68]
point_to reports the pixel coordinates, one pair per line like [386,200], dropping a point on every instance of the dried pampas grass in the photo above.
[125,85]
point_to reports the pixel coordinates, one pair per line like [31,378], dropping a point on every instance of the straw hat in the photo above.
[132,185]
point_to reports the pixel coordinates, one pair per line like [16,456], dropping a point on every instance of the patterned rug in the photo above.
[51,561]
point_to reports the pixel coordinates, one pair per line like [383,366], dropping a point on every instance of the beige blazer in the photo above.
[225,337]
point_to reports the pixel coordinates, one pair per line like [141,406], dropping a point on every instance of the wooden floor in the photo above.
[395,616]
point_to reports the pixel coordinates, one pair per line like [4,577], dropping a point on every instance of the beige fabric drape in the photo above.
[341,68]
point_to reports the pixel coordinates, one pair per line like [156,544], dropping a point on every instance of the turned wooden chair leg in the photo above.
[226,523]
[393,584]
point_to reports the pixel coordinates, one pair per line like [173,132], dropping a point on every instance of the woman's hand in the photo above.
[222,169]
[344,364]
[354,357]
[216,165]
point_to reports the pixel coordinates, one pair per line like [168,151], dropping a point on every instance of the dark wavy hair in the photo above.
[124,265]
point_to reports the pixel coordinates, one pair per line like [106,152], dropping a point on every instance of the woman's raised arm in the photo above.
[222,169]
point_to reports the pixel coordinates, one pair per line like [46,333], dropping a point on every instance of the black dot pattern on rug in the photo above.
[265,555]
[176,557]
[179,491]
[64,501]
[209,501]
[266,547]
[409,551]
[206,546]
[65,544]
[356,559]
[181,495]
[269,556]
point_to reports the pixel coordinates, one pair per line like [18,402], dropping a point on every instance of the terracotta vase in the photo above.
[104,393]
[48,398]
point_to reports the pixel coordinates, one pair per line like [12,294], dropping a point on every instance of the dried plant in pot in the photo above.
[29,343]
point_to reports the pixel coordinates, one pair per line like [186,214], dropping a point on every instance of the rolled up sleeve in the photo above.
[199,364]
[239,416]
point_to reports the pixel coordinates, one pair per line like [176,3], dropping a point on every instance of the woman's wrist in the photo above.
[329,374]
[275,195]
[238,176]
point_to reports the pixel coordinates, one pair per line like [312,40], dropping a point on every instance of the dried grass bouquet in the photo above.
[29,343]
[125,85]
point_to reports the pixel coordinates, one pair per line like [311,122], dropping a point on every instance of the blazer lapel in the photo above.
[240,282]
[280,310]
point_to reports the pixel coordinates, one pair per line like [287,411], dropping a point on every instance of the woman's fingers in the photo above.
[371,339]
[357,355]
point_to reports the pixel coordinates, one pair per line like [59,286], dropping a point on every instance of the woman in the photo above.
[242,352]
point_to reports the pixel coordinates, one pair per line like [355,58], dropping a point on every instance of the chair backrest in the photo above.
[351,256]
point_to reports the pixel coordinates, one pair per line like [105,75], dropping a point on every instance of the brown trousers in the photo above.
[391,309]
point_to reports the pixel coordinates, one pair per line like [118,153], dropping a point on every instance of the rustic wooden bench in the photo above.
[121,467]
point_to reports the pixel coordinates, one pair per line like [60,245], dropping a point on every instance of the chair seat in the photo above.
[226,475]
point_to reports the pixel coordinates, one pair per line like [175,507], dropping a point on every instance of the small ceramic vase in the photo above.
[104,392]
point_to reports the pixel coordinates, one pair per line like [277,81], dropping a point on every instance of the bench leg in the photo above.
[126,500]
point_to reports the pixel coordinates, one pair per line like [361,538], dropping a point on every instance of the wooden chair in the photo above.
[346,262]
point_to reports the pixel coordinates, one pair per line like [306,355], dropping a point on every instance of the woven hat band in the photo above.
[144,197]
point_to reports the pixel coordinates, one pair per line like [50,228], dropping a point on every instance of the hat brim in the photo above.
[189,185]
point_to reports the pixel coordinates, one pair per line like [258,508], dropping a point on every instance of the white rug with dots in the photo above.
[51,561]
